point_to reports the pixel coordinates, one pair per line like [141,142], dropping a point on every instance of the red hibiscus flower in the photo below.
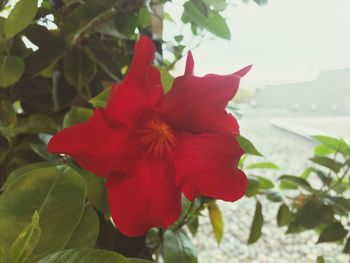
[151,147]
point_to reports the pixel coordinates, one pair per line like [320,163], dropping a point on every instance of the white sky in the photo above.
[286,40]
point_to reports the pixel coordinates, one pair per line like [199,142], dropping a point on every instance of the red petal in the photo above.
[197,104]
[141,89]
[144,199]
[206,165]
[94,145]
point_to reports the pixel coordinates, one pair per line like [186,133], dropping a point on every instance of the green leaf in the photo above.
[166,78]
[86,232]
[216,221]
[96,192]
[346,249]
[323,150]
[274,196]
[76,115]
[247,146]
[313,213]
[100,100]
[333,232]
[258,221]
[3,257]
[58,193]
[320,259]
[284,216]
[295,181]
[193,225]
[327,162]
[262,165]
[85,255]
[35,124]
[126,22]
[20,17]
[218,5]
[177,247]
[253,187]
[213,22]
[144,17]
[264,183]
[78,68]
[27,240]
[11,70]
[8,115]
[337,144]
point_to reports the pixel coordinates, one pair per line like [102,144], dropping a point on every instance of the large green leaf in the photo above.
[313,213]
[333,232]
[20,17]
[86,233]
[294,181]
[216,221]
[212,21]
[178,247]
[58,193]
[27,240]
[35,124]
[258,221]
[78,67]
[7,114]
[11,70]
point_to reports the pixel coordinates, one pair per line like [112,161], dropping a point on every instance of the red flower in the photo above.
[152,147]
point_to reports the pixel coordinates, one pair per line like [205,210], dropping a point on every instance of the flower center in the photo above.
[157,136]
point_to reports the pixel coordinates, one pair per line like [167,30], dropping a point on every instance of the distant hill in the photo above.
[329,94]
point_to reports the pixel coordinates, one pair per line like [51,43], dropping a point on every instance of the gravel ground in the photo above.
[291,153]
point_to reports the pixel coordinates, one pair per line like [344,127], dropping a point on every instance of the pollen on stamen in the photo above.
[157,136]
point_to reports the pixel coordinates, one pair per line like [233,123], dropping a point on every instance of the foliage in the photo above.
[316,199]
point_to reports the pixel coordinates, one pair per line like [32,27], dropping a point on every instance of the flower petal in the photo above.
[197,104]
[94,145]
[140,91]
[206,165]
[144,199]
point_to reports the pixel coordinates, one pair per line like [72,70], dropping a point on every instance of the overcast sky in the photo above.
[286,40]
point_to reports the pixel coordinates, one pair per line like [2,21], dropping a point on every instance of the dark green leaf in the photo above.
[253,187]
[35,124]
[333,232]
[327,162]
[78,68]
[258,221]
[313,213]
[284,216]
[346,249]
[273,196]
[247,146]
[193,225]
[85,255]
[11,70]
[126,23]
[8,115]
[296,181]
[216,221]
[178,247]
[27,240]
[20,17]
[86,232]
